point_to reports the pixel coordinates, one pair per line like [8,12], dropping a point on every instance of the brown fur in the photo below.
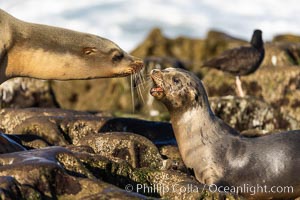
[46,52]
[217,153]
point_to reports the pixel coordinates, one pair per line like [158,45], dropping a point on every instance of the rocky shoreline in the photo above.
[69,157]
[54,152]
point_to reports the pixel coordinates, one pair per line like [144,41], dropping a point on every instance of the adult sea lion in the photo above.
[217,153]
[46,52]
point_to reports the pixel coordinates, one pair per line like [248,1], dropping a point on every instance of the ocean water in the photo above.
[127,22]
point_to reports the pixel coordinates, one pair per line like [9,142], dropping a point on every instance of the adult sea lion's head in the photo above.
[107,59]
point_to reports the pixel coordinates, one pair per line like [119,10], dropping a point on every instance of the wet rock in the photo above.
[53,173]
[173,185]
[10,188]
[42,127]
[92,163]
[26,92]
[134,149]
[148,181]
[172,158]
[8,145]
[11,118]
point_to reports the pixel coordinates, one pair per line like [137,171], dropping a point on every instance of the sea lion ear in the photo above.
[195,97]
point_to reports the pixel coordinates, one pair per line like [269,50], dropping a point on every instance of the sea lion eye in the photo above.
[89,50]
[118,57]
[176,80]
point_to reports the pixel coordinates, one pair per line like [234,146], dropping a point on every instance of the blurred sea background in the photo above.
[127,22]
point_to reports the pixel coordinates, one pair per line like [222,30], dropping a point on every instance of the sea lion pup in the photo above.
[46,52]
[217,153]
[240,61]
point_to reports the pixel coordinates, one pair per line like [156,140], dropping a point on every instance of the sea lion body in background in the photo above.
[217,153]
[46,52]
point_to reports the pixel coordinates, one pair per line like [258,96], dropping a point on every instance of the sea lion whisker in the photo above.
[141,77]
[148,86]
[132,93]
[141,94]
[144,82]
[138,86]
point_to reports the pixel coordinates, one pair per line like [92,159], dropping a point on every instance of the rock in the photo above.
[148,181]
[26,92]
[53,173]
[42,127]
[134,149]
[187,50]
[247,113]
[262,84]
[172,158]
[285,81]
[93,164]
[10,188]
[216,42]
[287,38]
[8,145]
[291,44]
[172,185]
[11,118]
[281,54]
[102,94]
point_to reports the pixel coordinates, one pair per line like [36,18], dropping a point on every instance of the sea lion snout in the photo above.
[156,75]
[157,90]
[137,64]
